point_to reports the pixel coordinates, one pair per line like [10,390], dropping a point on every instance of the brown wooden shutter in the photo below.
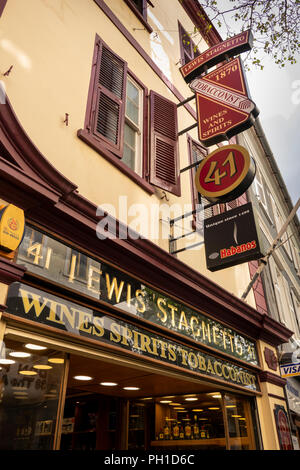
[164,159]
[109,100]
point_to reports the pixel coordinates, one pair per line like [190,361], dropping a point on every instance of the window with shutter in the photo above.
[116,118]
[164,164]
[188,49]
[109,99]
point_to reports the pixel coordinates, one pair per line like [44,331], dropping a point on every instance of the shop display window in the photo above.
[30,383]
[239,422]
[89,422]
[208,421]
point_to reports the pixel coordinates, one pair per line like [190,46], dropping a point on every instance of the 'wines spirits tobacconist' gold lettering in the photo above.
[49,310]
[56,261]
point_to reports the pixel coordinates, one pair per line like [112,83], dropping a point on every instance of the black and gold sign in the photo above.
[53,260]
[38,306]
[232,238]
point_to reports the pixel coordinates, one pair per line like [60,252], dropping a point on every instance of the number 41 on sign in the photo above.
[290,370]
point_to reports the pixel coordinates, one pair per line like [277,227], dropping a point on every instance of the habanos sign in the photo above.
[225,174]
[232,238]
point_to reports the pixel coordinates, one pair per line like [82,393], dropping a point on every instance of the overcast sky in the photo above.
[276,93]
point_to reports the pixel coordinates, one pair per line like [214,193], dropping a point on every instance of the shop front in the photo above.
[95,358]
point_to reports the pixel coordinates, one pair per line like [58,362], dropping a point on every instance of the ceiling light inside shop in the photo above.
[7,361]
[217,395]
[213,408]
[42,367]
[27,372]
[108,384]
[35,347]
[236,416]
[19,354]
[165,401]
[175,404]
[82,377]
[56,360]
[230,406]
[197,409]
[191,399]
[131,388]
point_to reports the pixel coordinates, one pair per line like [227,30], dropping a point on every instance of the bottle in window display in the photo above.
[196,428]
[161,434]
[176,430]
[166,430]
[202,433]
[188,430]
[181,432]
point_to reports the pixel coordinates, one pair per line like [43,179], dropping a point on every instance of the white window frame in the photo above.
[138,129]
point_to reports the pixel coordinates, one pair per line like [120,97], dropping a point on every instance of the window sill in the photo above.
[92,142]
[138,15]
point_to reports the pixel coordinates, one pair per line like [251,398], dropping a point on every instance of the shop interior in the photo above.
[49,400]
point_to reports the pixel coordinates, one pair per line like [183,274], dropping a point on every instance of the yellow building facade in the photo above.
[91,150]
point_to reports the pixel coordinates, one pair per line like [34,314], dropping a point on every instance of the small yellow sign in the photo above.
[12,226]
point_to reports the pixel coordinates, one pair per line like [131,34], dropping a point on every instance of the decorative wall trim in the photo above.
[270,358]
[272,395]
[271,378]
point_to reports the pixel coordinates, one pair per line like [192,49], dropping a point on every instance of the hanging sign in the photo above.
[231,238]
[223,105]
[225,174]
[12,226]
[233,46]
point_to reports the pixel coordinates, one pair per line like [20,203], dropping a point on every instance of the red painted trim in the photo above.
[139,15]
[201,20]
[135,44]
[26,153]
[2,6]
[10,272]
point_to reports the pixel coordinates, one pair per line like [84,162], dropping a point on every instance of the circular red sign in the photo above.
[225,173]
